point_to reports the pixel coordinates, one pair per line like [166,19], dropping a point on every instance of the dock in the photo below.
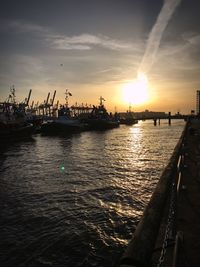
[168,234]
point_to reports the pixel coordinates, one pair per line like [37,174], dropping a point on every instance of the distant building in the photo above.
[150,114]
[198,102]
[145,114]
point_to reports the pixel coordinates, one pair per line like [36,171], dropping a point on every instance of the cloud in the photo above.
[191,39]
[60,44]
[178,61]
[188,45]
[88,41]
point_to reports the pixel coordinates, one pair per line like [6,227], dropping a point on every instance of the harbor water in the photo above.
[75,200]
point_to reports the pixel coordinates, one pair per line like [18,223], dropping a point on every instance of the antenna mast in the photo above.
[67,94]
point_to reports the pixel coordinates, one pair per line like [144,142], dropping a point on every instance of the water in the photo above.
[76,200]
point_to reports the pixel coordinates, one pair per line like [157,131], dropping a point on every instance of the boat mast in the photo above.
[12,96]
[101,100]
[67,94]
[129,108]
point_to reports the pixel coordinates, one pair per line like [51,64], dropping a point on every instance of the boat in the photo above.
[64,123]
[13,124]
[128,118]
[15,131]
[100,119]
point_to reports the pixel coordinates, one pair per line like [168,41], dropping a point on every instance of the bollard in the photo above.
[169,118]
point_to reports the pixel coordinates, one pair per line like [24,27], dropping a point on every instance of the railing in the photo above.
[179,167]
[179,238]
[171,234]
[179,235]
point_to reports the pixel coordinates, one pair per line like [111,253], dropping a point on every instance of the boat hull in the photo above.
[128,121]
[101,124]
[51,128]
[16,131]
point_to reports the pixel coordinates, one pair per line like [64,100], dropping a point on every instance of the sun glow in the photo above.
[137,91]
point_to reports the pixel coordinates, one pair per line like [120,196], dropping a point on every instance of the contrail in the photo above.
[156,33]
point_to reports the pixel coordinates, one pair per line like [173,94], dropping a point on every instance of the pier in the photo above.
[168,232]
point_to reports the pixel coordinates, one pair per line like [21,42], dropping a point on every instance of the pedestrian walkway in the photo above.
[188,202]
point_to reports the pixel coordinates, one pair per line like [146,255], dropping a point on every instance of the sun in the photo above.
[137,91]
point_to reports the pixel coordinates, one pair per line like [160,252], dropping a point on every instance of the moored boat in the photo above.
[128,118]
[62,125]
[15,130]
[65,123]
[99,119]
[13,123]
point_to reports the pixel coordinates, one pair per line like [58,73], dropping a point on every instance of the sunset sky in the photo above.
[96,48]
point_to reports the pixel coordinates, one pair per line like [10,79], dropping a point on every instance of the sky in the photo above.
[95,48]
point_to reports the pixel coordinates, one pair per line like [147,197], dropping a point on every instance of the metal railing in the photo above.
[171,234]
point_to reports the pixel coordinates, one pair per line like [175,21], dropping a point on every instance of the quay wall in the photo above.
[140,248]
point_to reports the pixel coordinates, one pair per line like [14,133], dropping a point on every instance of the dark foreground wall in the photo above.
[140,248]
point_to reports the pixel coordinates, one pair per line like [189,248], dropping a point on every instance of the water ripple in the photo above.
[76,200]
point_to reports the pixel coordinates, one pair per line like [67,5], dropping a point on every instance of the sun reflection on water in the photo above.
[95,202]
